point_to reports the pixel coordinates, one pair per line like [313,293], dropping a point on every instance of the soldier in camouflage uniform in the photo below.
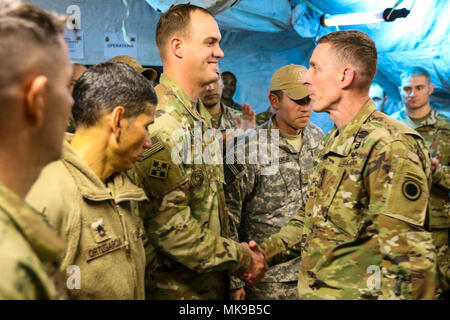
[222,117]
[36,104]
[260,204]
[435,129]
[263,117]
[363,233]
[186,218]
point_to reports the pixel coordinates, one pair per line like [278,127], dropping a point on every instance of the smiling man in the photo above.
[363,232]
[88,197]
[260,204]
[186,219]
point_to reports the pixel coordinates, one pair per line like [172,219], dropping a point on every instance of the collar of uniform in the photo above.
[199,113]
[90,185]
[342,144]
[309,141]
[283,142]
[430,120]
[33,225]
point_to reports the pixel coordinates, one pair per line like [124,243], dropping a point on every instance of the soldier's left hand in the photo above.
[248,120]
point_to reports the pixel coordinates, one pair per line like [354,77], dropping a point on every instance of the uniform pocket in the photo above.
[339,204]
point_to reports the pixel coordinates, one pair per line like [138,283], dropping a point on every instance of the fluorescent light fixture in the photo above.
[388,14]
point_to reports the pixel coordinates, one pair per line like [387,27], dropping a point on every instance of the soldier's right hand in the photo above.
[258,266]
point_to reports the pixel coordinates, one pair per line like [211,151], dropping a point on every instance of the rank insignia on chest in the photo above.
[159,169]
[99,231]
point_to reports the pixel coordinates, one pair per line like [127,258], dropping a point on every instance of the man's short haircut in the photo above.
[415,71]
[175,20]
[357,48]
[228,73]
[375,83]
[107,85]
[29,44]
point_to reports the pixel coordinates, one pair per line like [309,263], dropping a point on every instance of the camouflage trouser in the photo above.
[272,291]
[441,241]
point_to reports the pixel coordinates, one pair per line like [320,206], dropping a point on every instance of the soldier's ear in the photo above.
[274,101]
[176,47]
[115,118]
[346,77]
[431,89]
[34,100]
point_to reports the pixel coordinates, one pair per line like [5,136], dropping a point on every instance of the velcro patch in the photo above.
[103,249]
[159,169]
[407,198]
[231,170]
[197,177]
[156,146]
[411,188]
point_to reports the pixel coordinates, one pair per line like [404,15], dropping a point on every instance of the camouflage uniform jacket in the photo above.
[263,117]
[104,237]
[186,218]
[29,250]
[259,205]
[228,118]
[435,130]
[362,233]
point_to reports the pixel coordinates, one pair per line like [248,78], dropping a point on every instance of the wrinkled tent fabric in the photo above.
[259,36]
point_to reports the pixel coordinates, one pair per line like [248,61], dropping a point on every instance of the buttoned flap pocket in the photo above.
[337,202]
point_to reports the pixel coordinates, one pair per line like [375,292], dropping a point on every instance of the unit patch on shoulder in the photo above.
[411,189]
[156,146]
[159,169]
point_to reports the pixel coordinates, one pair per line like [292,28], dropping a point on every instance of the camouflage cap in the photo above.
[132,62]
[287,79]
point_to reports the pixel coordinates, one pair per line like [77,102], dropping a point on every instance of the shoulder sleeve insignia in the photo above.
[411,188]
[159,169]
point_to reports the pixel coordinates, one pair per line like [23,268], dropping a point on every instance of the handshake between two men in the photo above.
[258,266]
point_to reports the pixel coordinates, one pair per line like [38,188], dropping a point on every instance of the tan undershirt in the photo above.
[295,141]
[419,121]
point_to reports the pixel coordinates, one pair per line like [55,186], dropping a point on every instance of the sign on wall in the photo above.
[75,43]
[115,45]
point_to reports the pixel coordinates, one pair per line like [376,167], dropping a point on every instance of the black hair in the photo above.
[108,85]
